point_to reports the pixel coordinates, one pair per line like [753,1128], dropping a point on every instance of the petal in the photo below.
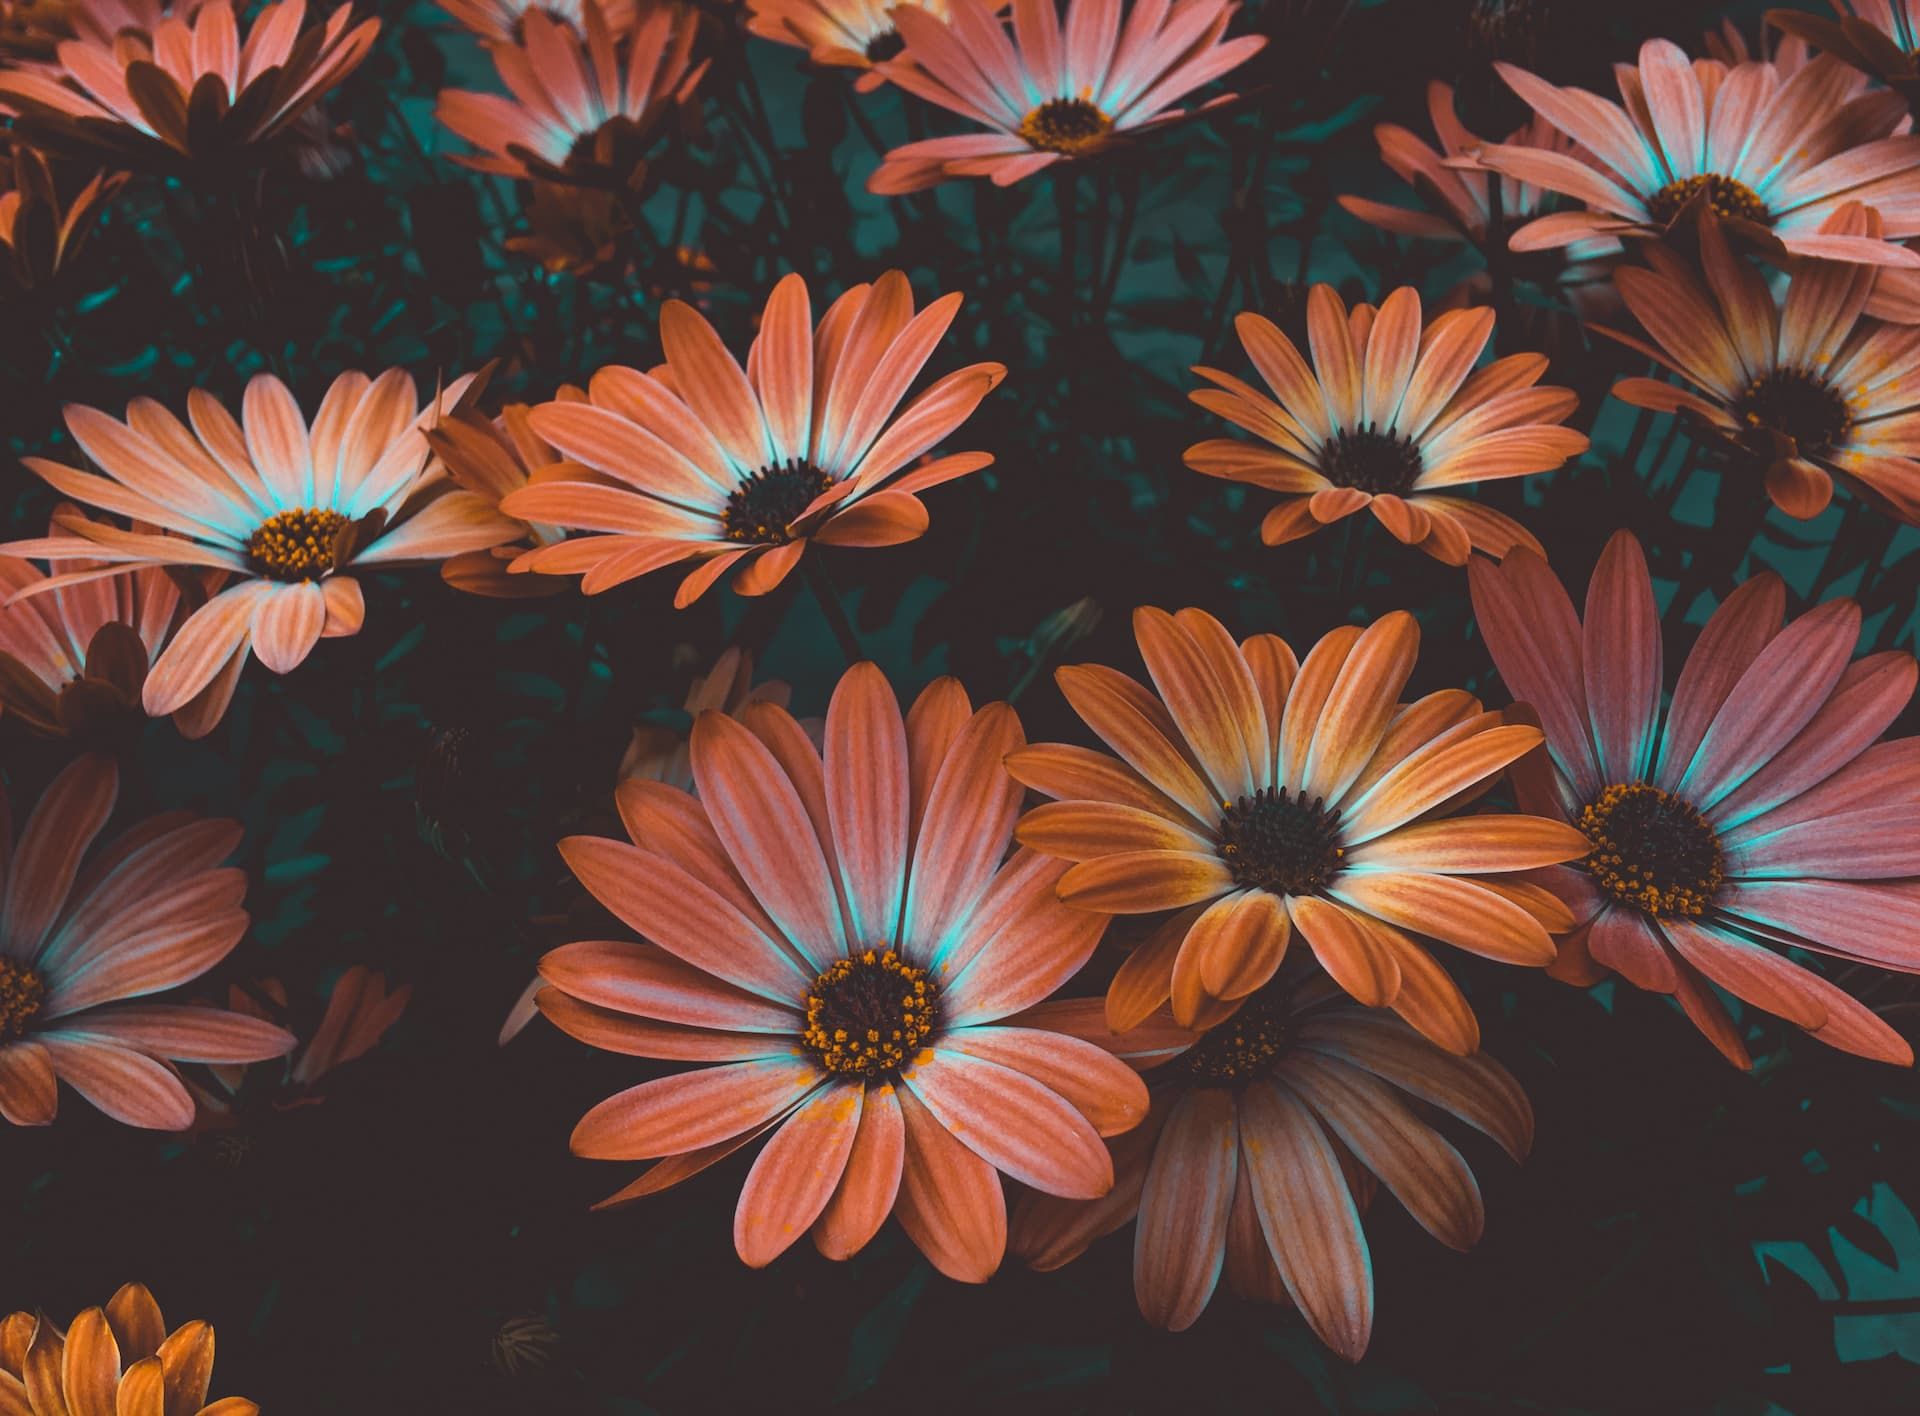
[689,1110]
[1181,1241]
[795,1174]
[865,1194]
[950,1201]
[1013,1122]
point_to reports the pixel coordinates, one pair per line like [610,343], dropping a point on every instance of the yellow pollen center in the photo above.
[1247,1046]
[1727,197]
[22,995]
[1069,126]
[1652,850]
[868,1015]
[295,545]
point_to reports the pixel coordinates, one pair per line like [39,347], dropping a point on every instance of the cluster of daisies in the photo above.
[850,934]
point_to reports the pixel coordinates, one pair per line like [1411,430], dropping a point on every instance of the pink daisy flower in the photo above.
[1052,94]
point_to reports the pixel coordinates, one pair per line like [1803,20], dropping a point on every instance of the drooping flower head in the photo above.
[1777,153]
[846,937]
[493,458]
[840,34]
[119,1358]
[73,661]
[1268,1138]
[1806,387]
[1390,418]
[506,20]
[585,110]
[82,950]
[192,93]
[702,460]
[1051,93]
[1464,205]
[1760,813]
[1258,794]
[290,511]
[40,234]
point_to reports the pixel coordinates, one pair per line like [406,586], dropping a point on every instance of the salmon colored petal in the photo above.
[1239,942]
[29,1094]
[1081,775]
[964,831]
[1346,948]
[1198,701]
[1180,1243]
[40,875]
[1360,704]
[864,1196]
[795,1174]
[934,724]
[868,786]
[1141,882]
[1018,1125]
[1049,1232]
[1451,909]
[1104,1089]
[950,1201]
[1085,830]
[287,624]
[127,1086]
[1473,845]
[1621,656]
[645,980]
[1733,638]
[1125,719]
[1144,979]
[202,647]
[1535,639]
[689,1110]
[613,1031]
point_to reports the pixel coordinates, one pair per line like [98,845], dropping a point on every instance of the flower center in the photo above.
[295,545]
[1247,1046]
[1371,459]
[1799,405]
[1652,850]
[22,994]
[1726,196]
[1066,125]
[1280,843]
[884,46]
[769,501]
[867,1015]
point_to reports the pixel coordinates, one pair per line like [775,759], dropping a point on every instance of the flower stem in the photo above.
[831,606]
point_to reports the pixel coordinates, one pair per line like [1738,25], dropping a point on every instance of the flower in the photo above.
[699,460]
[1809,388]
[289,510]
[192,93]
[1462,200]
[30,29]
[659,754]
[844,938]
[1268,1137]
[1877,37]
[1762,814]
[1389,418]
[39,234]
[1054,97]
[79,954]
[840,34]
[492,458]
[505,21]
[1774,152]
[73,662]
[582,112]
[1258,794]
[117,1358]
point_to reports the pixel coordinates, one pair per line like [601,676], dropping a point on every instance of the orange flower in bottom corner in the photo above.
[119,1359]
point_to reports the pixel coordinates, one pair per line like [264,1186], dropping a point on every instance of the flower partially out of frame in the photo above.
[40,234]
[1051,94]
[1807,388]
[1877,37]
[1259,795]
[192,92]
[290,511]
[846,939]
[1773,153]
[1391,418]
[1761,812]
[585,109]
[1268,1139]
[85,942]
[840,34]
[74,661]
[505,21]
[494,458]
[119,1358]
[701,460]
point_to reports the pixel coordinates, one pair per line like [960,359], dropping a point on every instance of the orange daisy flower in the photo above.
[1259,794]
[585,109]
[493,458]
[1806,386]
[700,460]
[1268,1138]
[289,510]
[840,34]
[39,234]
[844,934]
[79,954]
[1763,814]
[192,91]
[1062,94]
[73,661]
[1390,418]
[505,20]
[1774,151]
[118,1358]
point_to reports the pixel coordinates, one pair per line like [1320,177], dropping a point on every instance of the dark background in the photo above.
[1685,1237]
